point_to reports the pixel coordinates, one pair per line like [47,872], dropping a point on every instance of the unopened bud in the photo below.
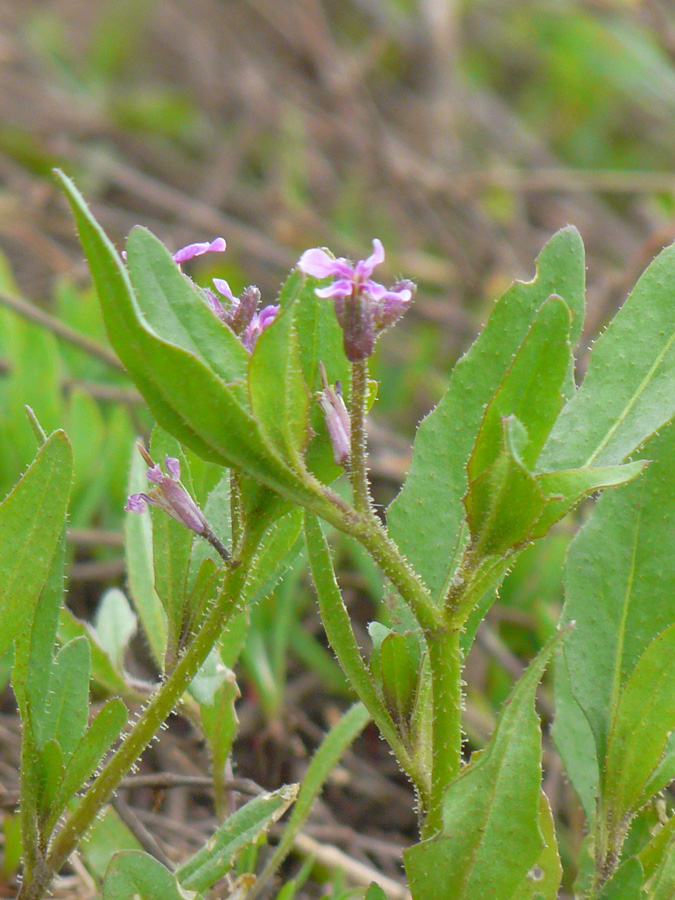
[337,419]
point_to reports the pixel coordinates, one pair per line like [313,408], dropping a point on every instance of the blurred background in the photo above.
[462,134]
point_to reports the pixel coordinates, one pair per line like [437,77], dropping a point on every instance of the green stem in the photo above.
[358,468]
[142,734]
[446,676]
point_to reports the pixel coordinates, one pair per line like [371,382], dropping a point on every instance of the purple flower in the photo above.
[169,494]
[198,249]
[364,308]
[337,419]
[240,313]
[260,321]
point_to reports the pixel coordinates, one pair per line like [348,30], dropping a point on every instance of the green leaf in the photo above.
[31,522]
[339,631]
[188,399]
[566,489]
[320,341]
[50,776]
[491,836]
[175,308]
[134,875]
[139,562]
[574,742]
[107,836]
[65,717]
[656,850]
[336,742]
[106,727]
[103,674]
[531,390]
[625,884]
[399,671]
[642,723]
[628,393]
[425,519]
[663,886]
[375,892]
[277,549]
[115,626]
[504,501]
[220,723]
[543,879]
[241,829]
[279,395]
[620,590]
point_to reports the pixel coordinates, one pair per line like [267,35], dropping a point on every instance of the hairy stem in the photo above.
[358,459]
[157,711]
[446,676]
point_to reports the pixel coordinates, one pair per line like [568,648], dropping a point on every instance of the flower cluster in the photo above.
[364,308]
[241,314]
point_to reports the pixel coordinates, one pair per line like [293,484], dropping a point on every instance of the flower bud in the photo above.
[337,419]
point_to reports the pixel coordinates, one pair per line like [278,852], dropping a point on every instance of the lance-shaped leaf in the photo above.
[336,742]
[67,705]
[425,519]
[103,672]
[504,501]
[574,741]
[491,836]
[185,395]
[242,828]
[31,673]
[663,885]
[565,489]
[133,873]
[174,308]
[658,848]
[104,730]
[620,589]
[532,389]
[115,626]
[543,879]
[279,396]
[642,723]
[629,389]
[31,522]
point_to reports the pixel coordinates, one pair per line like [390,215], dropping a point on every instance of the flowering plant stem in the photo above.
[358,459]
[144,731]
[446,676]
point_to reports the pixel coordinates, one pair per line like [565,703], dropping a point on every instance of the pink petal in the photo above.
[224,288]
[341,288]
[173,467]
[198,249]
[319,264]
[364,269]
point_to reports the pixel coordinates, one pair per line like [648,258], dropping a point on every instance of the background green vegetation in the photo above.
[461,134]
